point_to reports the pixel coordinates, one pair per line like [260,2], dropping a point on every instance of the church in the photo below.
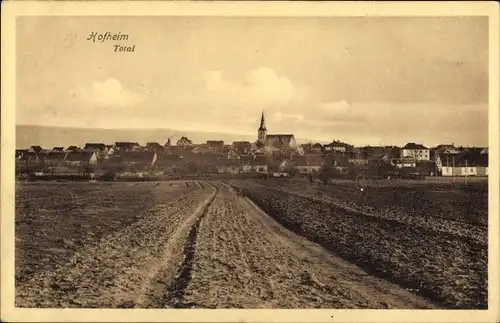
[274,141]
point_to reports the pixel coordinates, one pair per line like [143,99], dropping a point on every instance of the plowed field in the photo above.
[424,239]
[200,245]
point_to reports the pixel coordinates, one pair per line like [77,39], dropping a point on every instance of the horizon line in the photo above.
[305,140]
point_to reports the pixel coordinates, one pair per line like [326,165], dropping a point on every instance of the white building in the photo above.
[415,151]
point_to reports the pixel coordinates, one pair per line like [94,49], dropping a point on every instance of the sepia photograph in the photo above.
[261,161]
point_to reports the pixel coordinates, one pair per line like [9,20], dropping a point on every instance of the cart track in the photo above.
[177,288]
[245,259]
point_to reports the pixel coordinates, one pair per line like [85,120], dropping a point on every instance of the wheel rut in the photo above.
[175,293]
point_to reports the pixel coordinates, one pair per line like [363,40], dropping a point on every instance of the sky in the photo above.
[361,80]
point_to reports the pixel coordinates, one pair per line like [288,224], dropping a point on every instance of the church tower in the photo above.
[261,134]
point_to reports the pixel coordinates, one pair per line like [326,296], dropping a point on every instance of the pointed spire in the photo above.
[262,122]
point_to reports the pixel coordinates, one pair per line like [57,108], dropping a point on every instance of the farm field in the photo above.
[431,239]
[198,244]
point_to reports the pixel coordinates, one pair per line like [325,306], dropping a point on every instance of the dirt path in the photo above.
[244,259]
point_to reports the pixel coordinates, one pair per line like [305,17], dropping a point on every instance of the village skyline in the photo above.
[149,135]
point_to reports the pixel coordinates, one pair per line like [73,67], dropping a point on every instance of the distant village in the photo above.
[269,154]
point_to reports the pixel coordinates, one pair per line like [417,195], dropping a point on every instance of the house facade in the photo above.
[403,162]
[154,146]
[307,164]
[253,164]
[466,163]
[416,151]
[138,161]
[184,142]
[80,158]
[337,146]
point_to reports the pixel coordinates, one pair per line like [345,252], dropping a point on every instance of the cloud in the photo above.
[109,93]
[261,88]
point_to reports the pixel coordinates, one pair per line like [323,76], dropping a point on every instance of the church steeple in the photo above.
[261,134]
[262,123]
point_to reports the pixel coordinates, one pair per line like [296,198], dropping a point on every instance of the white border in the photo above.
[293,9]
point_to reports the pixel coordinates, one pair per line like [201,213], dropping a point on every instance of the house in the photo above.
[242,147]
[415,151]
[184,142]
[253,164]
[126,145]
[392,152]
[80,158]
[20,153]
[280,141]
[259,164]
[58,149]
[138,147]
[308,163]
[110,150]
[138,160]
[73,148]
[154,146]
[337,146]
[445,148]
[94,146]
[215,145]
[168,162]
[356,156]
[403,162]
[316,148]
[311,148]
[466,163]
[206,163]
[35,149]
[202,149]
[379,154]
[102,152]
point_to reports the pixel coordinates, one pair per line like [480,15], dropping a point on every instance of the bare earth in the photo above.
[205,248]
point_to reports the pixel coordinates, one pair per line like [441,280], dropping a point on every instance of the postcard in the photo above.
[250,162]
